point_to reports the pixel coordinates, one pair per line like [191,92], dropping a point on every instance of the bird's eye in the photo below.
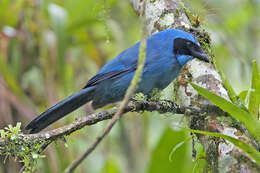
[191,45]
[188,43]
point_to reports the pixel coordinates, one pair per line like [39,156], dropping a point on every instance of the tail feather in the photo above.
[60,109]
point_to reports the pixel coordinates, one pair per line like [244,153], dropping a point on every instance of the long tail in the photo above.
[60,109]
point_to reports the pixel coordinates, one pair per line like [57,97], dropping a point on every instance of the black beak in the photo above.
[200,54]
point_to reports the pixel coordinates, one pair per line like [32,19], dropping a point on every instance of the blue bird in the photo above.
[166,53]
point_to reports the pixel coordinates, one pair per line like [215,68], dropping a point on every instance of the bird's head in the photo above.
[186,47]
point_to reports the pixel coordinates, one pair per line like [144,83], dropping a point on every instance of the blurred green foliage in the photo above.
[50,48]
[235,32]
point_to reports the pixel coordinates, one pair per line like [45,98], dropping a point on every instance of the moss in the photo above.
[21,148]
[229,121]
[244,161]
[168,105]
[155,95]
[177,13]
[193,18]
[210,147]
[212,155]
[139,97]
[175,90]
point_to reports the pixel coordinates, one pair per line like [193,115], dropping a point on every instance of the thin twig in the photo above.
[95,144]
[130,91]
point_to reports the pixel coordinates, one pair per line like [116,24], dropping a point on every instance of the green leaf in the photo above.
[231,92]
[199,162]
[17,128]
[175,148]
[243,94]
[235,111]
[251,151]
[181,162]
[254,97]
[2,132]
[199,165]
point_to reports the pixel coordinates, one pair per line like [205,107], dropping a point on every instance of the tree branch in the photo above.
[79,123]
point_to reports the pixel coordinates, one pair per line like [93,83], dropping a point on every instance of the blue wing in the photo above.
[124,63]
[159,46]
[109,75]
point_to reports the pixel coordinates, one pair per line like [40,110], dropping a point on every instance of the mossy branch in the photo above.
[26,148]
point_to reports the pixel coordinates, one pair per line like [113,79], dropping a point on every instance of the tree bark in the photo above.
[221,156]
